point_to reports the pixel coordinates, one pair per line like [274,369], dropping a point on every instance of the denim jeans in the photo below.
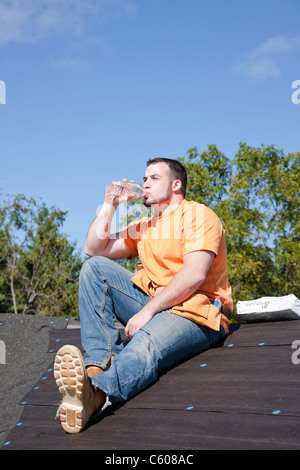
[106,293]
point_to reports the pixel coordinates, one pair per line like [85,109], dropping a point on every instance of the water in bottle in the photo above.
[120,188]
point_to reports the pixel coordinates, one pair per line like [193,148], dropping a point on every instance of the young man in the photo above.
[167,307]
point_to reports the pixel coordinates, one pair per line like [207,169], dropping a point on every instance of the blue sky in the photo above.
[94,88]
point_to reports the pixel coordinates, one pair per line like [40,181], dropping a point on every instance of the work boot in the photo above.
[79,398]
[92,371]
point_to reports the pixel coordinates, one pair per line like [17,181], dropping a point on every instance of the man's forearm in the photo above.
[182,285]
[98,234]
[178,289]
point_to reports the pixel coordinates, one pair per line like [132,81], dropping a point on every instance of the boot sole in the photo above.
[69,373]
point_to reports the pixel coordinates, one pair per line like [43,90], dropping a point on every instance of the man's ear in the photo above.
[176,185]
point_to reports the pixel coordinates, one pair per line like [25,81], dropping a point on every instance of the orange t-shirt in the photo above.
[162,242]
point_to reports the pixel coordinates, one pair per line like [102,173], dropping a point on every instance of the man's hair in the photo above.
[178,171]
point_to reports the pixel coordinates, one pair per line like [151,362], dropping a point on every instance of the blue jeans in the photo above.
[106,293]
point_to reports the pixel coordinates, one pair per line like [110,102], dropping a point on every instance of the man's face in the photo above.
[158,184]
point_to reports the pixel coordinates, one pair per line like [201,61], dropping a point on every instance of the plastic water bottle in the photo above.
[120,188]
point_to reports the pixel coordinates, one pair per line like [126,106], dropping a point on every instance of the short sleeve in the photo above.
[131,235]
[201,230]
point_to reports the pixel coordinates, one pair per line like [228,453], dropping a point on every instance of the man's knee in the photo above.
[91,266]
[99,267]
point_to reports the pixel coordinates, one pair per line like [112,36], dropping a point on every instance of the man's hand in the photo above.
[140,319]
[137,321]
[98,241]
[116,200]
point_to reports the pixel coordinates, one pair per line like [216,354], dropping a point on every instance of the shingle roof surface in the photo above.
[243,394]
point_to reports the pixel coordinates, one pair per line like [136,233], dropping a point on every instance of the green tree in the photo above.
[267,181]
[209,176]
[256,195]
[38,266]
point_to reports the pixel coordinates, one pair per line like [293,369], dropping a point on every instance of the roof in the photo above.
[243,394]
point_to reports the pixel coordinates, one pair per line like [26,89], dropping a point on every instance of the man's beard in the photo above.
[160,199]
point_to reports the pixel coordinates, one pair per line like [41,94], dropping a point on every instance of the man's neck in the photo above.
[163,208]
